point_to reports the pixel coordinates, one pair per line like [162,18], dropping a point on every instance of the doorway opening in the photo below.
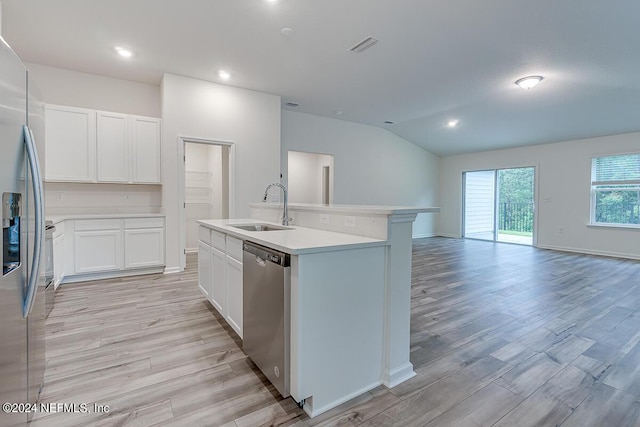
[310,177]
[499,205]
[207,184]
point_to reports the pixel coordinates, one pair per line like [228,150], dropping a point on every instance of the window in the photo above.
[615,190]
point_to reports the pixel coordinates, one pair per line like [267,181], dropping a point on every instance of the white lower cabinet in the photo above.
[220,274]
[143,243]
[234,294]
[109,246]
[218,280]
[98,251]
[204,269]
[59,259]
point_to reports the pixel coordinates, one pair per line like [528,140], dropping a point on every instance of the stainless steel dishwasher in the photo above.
[266,312]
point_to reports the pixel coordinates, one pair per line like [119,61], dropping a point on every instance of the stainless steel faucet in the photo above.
[285,214]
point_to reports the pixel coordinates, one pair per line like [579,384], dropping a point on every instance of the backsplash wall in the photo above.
[65,198]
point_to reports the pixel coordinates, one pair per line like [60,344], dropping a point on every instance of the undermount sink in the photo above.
[260,227]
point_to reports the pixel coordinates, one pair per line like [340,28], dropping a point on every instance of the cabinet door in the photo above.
[234,294]
[219,280]
[146,149]
[97,251]
[204,269]
[113,147]
[58,260]
[70,135]
[144,248]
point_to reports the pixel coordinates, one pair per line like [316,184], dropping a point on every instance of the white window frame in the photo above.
[594,191]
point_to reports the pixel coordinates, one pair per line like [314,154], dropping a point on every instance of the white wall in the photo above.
[200,109]
[65,87]
[563,193]
[371,165]
[65,197]
[305,176]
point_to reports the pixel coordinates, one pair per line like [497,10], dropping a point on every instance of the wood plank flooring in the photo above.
[501,335]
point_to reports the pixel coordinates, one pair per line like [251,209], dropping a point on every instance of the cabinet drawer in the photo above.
[144,223]
[204,235]
[218,240]
[234,248]
[97,224]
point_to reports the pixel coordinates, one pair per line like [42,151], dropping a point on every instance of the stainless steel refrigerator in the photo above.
[22,215]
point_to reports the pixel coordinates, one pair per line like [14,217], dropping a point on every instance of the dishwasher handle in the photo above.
[267,254]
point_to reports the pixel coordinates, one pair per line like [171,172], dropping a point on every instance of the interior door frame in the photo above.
[536,168]
[182,141]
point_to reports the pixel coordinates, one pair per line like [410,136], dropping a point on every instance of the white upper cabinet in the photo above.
[98,146]
[70,149]
[146,149]
[113,147]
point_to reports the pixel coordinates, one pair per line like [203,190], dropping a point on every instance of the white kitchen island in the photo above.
[350,297]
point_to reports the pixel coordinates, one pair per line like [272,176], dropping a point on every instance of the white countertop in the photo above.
[357,209]
[297,240]
[59,218]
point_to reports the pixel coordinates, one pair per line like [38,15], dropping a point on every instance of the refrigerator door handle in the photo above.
[36,178]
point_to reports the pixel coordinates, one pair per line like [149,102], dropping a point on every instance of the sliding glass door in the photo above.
[498,205]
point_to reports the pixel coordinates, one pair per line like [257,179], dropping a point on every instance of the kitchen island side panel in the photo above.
[337,313]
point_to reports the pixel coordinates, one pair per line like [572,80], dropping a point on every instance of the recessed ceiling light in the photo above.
[529,82]
[292,104]
[453,123]
[338,112]
[224,75]
[389,122]
[123,52]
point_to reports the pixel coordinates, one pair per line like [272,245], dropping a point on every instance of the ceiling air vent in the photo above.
[364,45]
[292,104]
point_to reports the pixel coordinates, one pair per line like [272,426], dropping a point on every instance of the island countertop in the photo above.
[295,240]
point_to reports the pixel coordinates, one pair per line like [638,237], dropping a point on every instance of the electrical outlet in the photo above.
[58,196]
[324,219]
[126,196]
[560,230]
[350,221]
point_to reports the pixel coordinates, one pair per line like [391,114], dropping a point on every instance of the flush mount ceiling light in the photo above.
[453,123]
[224,75]
[125,53]
[529,82]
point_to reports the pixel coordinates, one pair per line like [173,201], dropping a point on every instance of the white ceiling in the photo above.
[436,60]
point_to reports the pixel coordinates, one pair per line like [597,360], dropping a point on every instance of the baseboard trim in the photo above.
[452,236]
[424,235]
[171,270]
[589,252]
[398,375]
[314,412]
[109,275]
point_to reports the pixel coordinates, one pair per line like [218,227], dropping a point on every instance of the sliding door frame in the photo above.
[534,240]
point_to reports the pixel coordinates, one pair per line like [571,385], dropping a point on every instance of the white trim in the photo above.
[313,412]
[171,270]
[423,235]
[74,278]
[449,235]
[614,225]
[398,375]
[590,252]
[182,232]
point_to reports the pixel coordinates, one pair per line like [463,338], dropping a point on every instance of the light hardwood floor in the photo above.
[501,335]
